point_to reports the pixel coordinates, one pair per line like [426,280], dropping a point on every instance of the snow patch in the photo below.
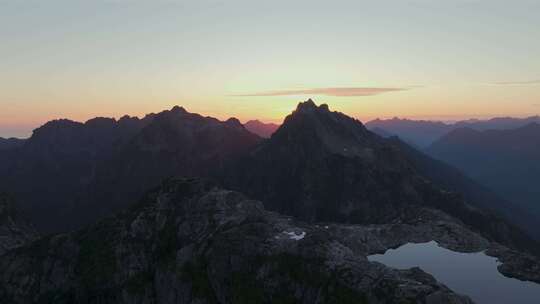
[294,236]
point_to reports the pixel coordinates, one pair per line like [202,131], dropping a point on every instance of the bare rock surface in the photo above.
[191,242]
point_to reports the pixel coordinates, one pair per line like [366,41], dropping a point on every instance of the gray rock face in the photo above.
[14,232]
[191,242]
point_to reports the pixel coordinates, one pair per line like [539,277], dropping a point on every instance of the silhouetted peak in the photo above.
[324,107]
[234,122]
[54,126]
[307,105]
[254,122]
[59,123]
[320,130]
[126,118]
[100,122]
[178,110]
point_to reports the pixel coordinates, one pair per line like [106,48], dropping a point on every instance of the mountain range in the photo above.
[507,161]
[68,173]
[289,218]
[422,133]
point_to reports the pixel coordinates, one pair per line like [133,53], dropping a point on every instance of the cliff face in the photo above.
[191,242]
[14,231]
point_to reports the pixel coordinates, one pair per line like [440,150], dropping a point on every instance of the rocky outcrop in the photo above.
[14,231]
[192,242]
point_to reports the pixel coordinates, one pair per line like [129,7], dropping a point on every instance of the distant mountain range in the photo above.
[422,133]
[289,219]
[507,161]
[69,173]
[9,143]
[262,129]
[319,166]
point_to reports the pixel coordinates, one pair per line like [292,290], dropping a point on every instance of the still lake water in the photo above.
[471,274]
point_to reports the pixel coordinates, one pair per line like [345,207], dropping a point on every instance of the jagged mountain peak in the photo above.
[178,119]
[178,109]
[317,127]
[234,122]
[306,105]
[310,106]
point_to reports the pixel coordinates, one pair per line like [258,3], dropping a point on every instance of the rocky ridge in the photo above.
[191,242]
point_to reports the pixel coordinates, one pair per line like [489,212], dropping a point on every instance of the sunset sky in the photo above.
[251,59]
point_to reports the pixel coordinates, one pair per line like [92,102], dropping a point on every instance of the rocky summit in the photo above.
[190,241]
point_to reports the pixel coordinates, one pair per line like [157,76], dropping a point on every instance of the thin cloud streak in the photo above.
[339,92]
[517,82]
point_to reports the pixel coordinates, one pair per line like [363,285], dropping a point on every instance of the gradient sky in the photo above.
[257,59]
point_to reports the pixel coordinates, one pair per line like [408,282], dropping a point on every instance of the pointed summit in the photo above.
[319,130]
[308,105]
[234,122]
[178,110]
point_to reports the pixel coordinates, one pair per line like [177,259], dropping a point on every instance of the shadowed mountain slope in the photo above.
[452,179]
[70,173]
[14,230]
[507,161]
[325,166]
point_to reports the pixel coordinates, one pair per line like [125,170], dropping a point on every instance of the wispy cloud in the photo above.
[527,82]
[341,92]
